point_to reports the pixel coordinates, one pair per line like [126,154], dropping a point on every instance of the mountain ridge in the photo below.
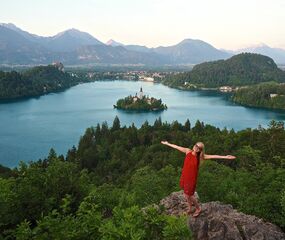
[278,54]
[114,43]
[65,46]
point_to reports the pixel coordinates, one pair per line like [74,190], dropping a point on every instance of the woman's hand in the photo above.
[230,157]
[181,149]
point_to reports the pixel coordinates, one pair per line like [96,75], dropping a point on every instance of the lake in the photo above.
[30,127]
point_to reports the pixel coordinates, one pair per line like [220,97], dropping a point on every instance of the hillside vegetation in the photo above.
[34,82]
[97,190]
[268,95]
[239,70]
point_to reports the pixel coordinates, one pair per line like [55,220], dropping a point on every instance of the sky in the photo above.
[225,24]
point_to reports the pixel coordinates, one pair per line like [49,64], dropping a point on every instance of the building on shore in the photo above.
[273,95]
[146,78]
[58,65]
[226,89]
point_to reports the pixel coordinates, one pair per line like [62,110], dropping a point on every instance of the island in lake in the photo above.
[140,102]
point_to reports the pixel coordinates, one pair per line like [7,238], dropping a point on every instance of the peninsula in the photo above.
[36,81]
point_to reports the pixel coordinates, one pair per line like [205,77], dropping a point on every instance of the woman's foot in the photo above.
[190,211]
[197,212]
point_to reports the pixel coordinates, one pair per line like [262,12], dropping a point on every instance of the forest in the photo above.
[34,82]
[240,70]
[105,187]
[267,95]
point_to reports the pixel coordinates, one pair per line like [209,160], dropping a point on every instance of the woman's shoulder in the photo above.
[188,151]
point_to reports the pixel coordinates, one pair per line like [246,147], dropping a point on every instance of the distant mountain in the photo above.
[69,40]
[191,51]
[188,51]
[27,35]
[113,43]
[277,54]
[115,55]
[138,48]
[75,47]
[15,48]
[65,41]
[185,52]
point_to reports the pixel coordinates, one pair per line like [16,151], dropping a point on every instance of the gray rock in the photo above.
[220,221]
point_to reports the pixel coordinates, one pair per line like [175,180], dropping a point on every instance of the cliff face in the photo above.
[220,221]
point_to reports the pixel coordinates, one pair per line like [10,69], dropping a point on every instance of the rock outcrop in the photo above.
[219,221]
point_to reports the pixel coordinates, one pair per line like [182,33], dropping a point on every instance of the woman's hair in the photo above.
[201,154]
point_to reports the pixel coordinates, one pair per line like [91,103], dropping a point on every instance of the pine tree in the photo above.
[52,155]
[187,125]
[116,124]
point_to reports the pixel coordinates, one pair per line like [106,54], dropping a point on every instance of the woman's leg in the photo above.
[197,206]
[190,203]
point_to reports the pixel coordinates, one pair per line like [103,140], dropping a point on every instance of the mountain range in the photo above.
[74,47]
[277,54]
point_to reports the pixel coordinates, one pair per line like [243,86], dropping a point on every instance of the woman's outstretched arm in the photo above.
[181,149]
[230,157]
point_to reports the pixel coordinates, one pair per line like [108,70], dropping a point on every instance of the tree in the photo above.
[157,123]
[8,203]
[52,155]
[5,172]
[116,124]
[71,154]
[248,158]
[187,125]
[276,138]
[198,128]
[129,168]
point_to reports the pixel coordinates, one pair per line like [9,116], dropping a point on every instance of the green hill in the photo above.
[268,95]
[34,82]
[239,70]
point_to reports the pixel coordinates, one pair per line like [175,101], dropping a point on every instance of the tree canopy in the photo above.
[34,82]
[269,95]
[140,104]
[98,190]
[239,70]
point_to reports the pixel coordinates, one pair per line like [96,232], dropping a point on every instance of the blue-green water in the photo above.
[30,127]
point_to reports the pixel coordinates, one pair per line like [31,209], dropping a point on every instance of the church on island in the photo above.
[140,102]
[141,96]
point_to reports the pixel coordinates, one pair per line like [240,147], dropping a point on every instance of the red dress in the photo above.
[189,174]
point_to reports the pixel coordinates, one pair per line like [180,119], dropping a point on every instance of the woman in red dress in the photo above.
[190,170]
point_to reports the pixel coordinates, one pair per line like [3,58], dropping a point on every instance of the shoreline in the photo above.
[22,98]
[224,93]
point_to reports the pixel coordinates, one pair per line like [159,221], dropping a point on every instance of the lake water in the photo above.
[30,127]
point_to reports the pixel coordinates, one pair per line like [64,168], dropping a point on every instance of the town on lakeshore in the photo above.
[150,76]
